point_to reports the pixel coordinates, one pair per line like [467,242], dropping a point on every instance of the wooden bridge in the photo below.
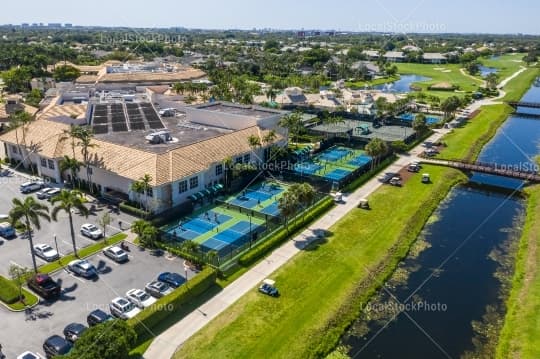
[488,168]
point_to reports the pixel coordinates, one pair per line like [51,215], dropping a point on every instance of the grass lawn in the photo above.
[30,300]
[323,287]
[451,73]
[466,142]
[84,252]
[507,64]
[520,335]
[516,88]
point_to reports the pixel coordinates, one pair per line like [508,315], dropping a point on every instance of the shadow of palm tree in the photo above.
[103,268]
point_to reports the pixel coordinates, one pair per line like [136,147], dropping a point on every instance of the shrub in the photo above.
[282,235]
[126,208]
[159,311]
[9,293]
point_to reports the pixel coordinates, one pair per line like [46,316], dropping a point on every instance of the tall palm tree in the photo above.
[137,188]
[271,94]
[72,165]
[292,122]
[305,194]
[85,135]
[146,181]
[288,205]
[20,119]
[227,172]
[30,212]
[68,201]
[376,148]
[270,137]
[71,134]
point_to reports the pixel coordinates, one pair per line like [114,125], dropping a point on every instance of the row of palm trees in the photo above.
[142,187]
[80,137]
[298,197]
[30,212]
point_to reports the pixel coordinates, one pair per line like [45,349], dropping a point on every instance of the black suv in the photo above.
[73,331]
[56,345]
[97,317]
[45,286]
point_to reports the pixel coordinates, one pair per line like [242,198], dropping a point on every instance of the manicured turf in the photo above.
[507,64]
[466,142]
[517,87]
[319,284]
[454,77]
[520,336]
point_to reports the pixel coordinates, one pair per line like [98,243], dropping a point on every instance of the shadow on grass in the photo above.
[144,341]
[314,241]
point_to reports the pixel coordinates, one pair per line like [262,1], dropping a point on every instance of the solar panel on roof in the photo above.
[100,129]
[137,126]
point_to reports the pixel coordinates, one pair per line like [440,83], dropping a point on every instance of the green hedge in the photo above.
[282,235]
[193,258]
[9,293]
[156,313]
[126,208]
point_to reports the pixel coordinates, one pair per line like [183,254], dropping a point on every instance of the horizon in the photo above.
[380,16]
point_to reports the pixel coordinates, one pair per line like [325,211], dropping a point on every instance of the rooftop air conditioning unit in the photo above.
[159,137]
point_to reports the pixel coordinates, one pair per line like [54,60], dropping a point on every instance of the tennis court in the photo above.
[334,164]
[191,228]
[234,236]
[261,198]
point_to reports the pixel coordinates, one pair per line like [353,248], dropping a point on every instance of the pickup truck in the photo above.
[44,286]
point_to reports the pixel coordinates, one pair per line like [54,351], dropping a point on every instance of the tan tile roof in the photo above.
[81,68]
[188,74]
[87,79]
[133,163]
[72,110]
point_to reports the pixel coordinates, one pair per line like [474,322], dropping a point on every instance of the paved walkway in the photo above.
[166,344]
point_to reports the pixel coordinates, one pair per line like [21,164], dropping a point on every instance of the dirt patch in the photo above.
[405,175]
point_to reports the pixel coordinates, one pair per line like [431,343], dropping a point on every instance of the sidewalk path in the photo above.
[164,346]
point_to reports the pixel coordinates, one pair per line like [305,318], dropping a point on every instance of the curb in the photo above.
[27,307]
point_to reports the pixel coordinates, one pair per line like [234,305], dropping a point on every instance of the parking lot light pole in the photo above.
[56,245]
[250,234]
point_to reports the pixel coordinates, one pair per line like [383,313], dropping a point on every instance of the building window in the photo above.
[150,192]
[43,162]
[90,171]
[238,160]
[14,149]
[51,164]
[219,170]
[247,158]
[182,187]
[193,182]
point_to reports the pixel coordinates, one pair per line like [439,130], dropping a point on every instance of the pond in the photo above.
[402,85]
[485,70]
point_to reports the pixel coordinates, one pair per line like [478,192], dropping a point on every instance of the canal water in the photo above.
[449,284]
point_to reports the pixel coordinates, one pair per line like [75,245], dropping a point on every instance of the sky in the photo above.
[407,16]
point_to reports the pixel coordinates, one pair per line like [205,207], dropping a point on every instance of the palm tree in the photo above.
[292,122]
[85,136]
[72,165]
[104,221]
[72,134]
[271,94]
[491,80]
[137,188]
[227,172]
[288,205]
[419,124]
[138,226]
[254,142]
[179,88]
[68,201]
[30,211]
[145,181]
[212,256]
[376,148]
[270,137]
[305,194]
[20,119]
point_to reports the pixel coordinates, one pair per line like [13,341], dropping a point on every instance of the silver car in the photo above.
[46,252]
[116,253]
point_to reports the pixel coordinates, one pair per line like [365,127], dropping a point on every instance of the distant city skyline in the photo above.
[414,16]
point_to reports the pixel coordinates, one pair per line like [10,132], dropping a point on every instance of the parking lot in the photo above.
[21,331]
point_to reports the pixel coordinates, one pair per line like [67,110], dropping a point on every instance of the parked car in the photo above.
[268,287]
[83,268]
[7,230]
[73,331]
[157,289]
[395,181]
[97,317]
[4,217]
[31,186]
[123,308]
[140,298]
[50,194]
[41,193]
[44,286]
[116,253]
[91,231]
[413,168]
[56,345]
[175,280]
[46,252]
[29,355]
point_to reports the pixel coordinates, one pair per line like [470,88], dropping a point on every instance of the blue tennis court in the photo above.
[272,210]
[236,236]
[360,161]
[334,154]
[197,226]
[244,202]
[337,174]
[409,117]
[212,244]
[307,168]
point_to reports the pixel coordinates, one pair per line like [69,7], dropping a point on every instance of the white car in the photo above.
[31,186]
[53,192]
[91,231]
[122,308]
[41,194]
[4,217]
[140,298]
[83,268]
[46,252]
[116,253]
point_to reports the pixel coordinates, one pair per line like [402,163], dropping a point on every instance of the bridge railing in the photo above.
[495,167]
